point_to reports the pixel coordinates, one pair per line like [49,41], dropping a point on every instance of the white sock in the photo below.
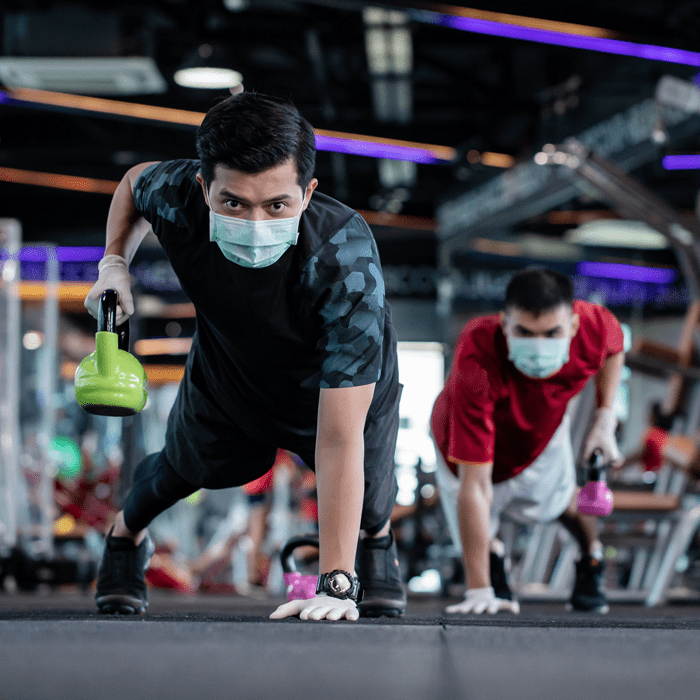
[597,552]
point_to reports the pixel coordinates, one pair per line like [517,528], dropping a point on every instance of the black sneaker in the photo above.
[499,581]
[587,596]
[121,579]
[377,568]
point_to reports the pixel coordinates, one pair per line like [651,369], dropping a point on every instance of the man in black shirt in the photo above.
[293,348]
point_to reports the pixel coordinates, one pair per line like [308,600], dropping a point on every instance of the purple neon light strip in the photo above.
[80,253]
[63,253]
[37,254]
[619,271]
[544,36]
[681,162]
[375,150]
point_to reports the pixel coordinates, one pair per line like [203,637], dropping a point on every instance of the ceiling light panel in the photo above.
[87,76]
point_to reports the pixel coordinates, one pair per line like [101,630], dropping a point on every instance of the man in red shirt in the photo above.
[502,432]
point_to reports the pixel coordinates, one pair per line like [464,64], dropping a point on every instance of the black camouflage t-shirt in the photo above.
[269,339]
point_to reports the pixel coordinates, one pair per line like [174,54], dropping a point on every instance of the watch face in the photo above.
[339,583]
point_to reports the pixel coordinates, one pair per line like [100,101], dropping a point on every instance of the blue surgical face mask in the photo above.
[253,243]
[538,357]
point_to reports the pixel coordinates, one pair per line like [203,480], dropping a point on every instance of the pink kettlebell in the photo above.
[595,498]
[299,586]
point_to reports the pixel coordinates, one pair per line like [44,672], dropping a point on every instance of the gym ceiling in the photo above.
[478,94]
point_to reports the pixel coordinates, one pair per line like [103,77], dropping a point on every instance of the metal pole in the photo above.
[10,472]
[47,372]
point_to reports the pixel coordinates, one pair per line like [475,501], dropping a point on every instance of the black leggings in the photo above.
[156,487]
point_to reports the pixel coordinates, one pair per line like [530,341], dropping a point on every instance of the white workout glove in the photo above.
[321,607]
[483,600]
[114,274]
[602,436]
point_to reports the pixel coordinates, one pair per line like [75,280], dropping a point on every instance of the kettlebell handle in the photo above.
[596,468]
[107,318]
[286,555]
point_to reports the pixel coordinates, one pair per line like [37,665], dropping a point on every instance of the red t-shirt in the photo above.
[489,411]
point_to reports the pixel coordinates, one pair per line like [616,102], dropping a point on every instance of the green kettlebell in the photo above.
[111,381]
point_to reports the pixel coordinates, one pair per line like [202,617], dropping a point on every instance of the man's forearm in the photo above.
[608,380]
[474,506]
[340,489]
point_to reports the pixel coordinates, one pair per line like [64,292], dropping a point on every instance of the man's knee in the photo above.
[156,487]
[170,485]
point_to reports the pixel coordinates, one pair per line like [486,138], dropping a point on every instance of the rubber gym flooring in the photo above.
[54,647]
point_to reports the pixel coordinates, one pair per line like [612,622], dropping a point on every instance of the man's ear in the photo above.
[504,321]
[313,184]
[200,180]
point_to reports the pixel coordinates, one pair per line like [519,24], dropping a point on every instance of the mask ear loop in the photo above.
[301,209]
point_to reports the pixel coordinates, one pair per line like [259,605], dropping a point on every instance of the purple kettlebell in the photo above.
[595,498]
[299,586]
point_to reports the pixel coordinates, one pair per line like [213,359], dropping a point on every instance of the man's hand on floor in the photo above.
[321,607]
[483,600]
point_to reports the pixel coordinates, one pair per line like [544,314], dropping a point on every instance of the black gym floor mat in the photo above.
[423,610]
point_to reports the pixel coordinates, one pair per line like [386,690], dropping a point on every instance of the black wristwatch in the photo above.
[340,584]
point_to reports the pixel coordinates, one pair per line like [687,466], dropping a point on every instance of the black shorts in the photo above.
[208,450]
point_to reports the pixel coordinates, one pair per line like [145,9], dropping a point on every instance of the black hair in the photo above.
[538,290]
[252,133]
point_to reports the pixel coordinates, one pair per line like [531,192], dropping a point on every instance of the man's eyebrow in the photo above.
[232,195]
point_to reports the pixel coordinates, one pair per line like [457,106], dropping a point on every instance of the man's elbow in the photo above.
[475,484]
[340,438]
[476,493]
